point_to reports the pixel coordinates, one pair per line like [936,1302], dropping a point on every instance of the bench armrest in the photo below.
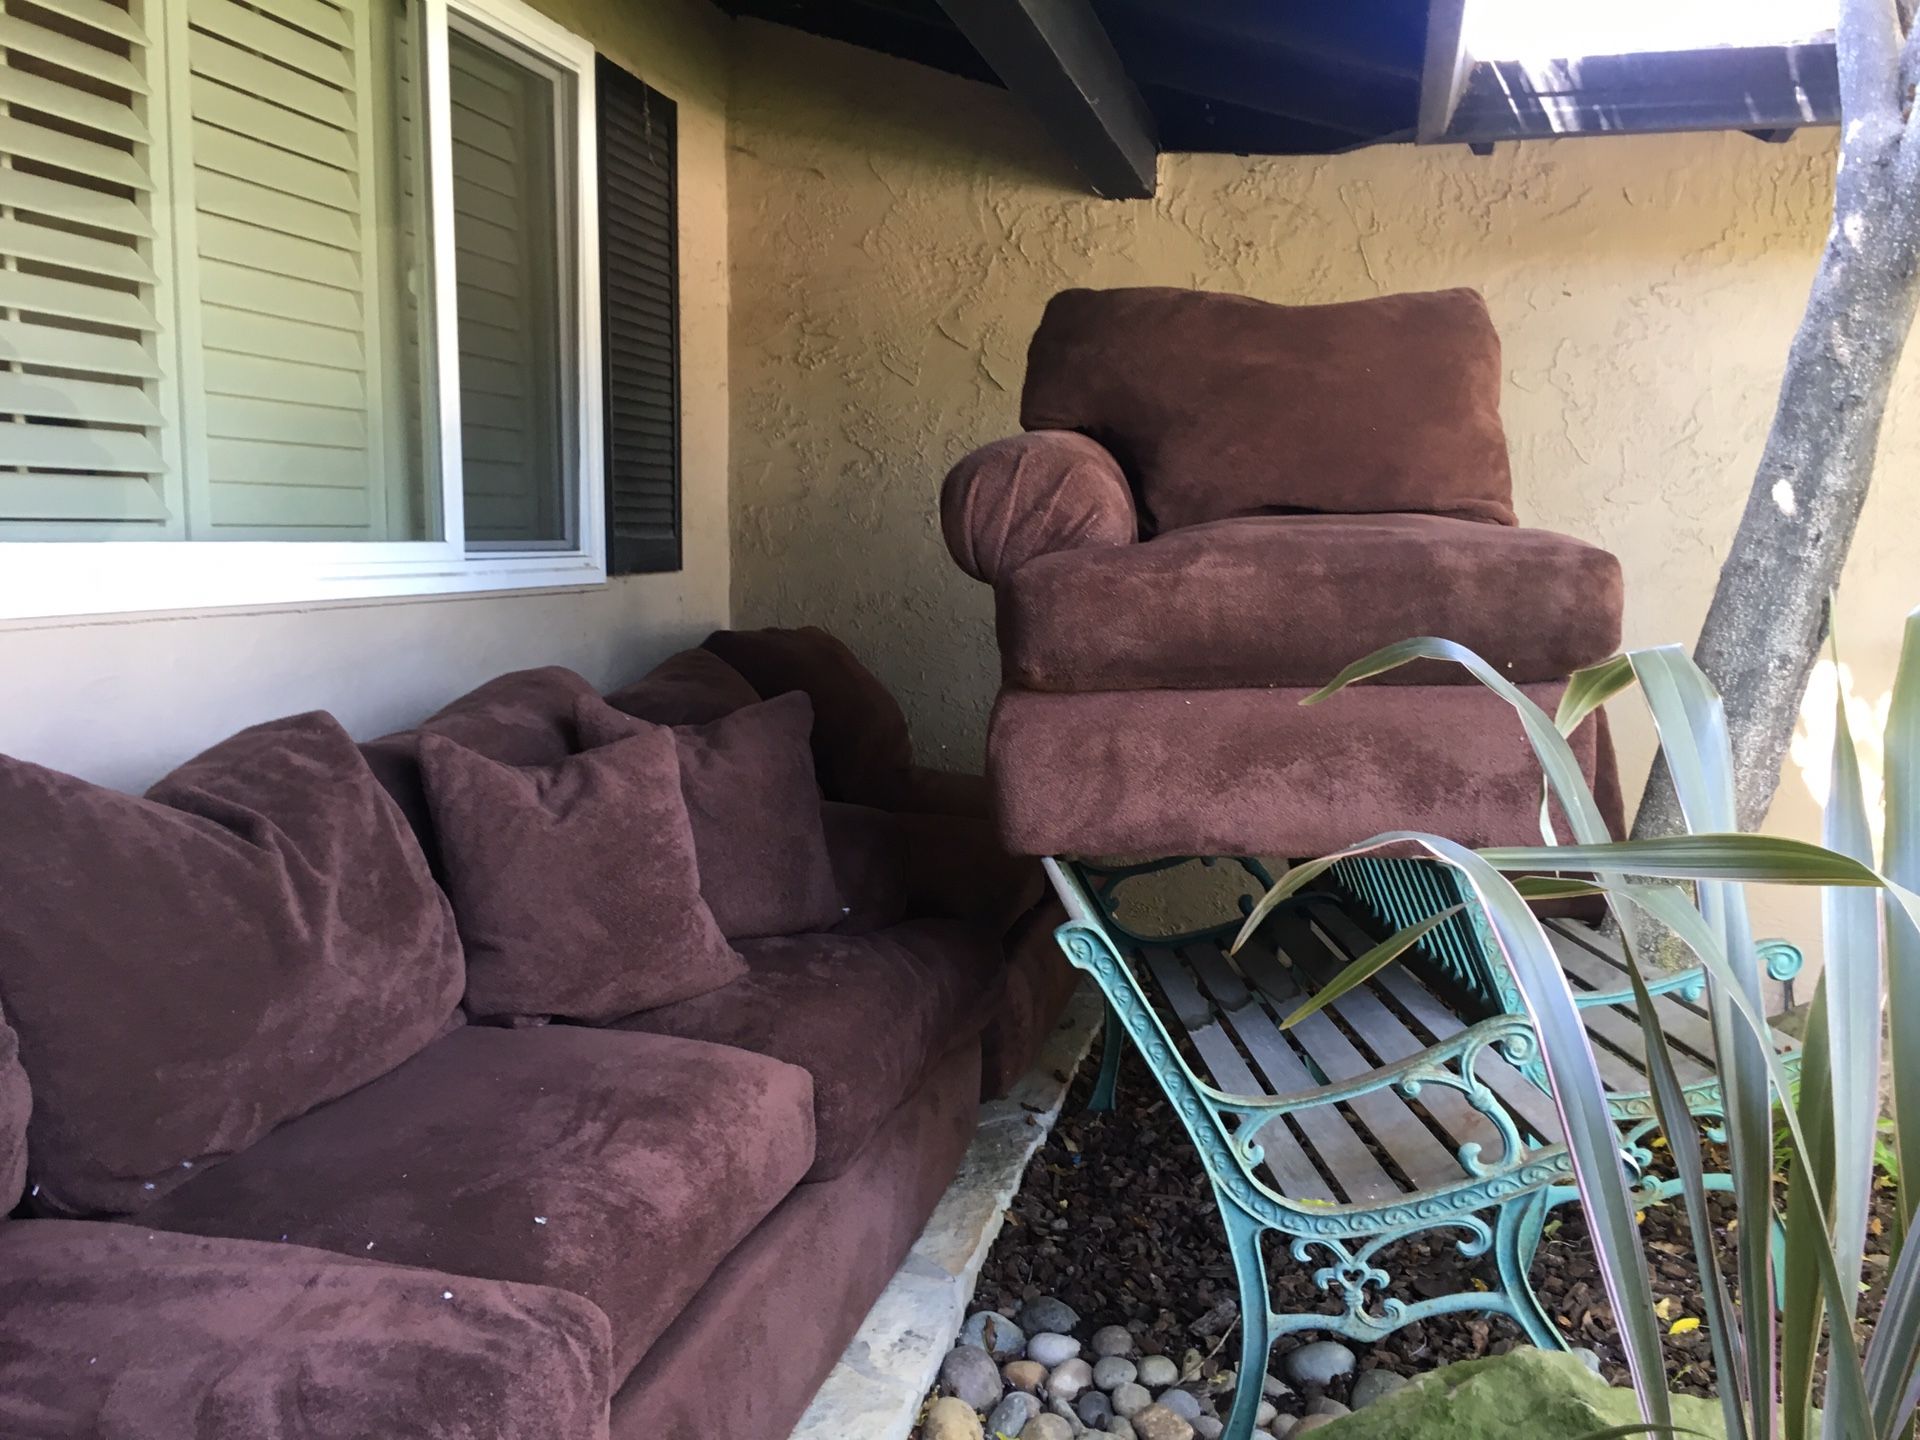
[1034,494]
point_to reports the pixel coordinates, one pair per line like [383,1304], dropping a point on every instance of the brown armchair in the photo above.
[1218,503]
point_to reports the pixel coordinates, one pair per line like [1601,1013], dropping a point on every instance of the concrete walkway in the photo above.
[874,1393]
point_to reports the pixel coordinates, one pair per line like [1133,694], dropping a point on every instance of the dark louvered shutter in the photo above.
[640,322]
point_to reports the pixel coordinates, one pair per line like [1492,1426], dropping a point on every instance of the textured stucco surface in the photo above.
[122,701]
[896,233]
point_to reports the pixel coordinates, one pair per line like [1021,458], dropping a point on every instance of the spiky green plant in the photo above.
[1766,1346]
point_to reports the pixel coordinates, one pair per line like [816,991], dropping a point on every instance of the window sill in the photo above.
[50,584]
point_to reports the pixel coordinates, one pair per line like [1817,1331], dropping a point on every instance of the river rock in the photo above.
[1112,1370]
[1273,1387]
[1319,1364]
[1094,1409]
[968,1373]
[1157,1422]
[1265,1414]
[1011,1415]
[1129,1399]
[1027,1375]
[1044,1314]
[1326,1405]
[951,1418]
[995,1334]
[1068,1379]
[1182,1402]
[1157,1372]
[1111,1340]
[1310,1422]
[1282,1426]
[1051,1348]
[1208,1428]
[1047,1427]
[1372,1385]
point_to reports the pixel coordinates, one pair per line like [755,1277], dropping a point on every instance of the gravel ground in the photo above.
[1115,1218]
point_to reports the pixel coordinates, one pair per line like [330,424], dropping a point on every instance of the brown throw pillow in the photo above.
[748,781]
[186,971]
[575,884]
[693,687]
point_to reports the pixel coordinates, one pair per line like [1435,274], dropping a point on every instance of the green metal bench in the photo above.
[1413,1104]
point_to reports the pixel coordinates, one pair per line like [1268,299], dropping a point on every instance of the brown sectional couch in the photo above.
[537,1229]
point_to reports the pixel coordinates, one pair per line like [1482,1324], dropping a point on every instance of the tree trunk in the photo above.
[1769,611]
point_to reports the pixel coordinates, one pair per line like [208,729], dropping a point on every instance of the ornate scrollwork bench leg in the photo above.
[1343,1242]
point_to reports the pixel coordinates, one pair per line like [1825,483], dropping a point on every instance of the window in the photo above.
[300,300]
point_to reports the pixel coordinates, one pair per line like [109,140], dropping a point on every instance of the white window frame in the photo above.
[60,579]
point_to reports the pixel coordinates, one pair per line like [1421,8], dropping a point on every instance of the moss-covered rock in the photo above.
[1526,1394]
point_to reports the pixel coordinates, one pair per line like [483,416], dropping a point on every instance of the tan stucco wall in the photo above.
[897,231]
[121,702]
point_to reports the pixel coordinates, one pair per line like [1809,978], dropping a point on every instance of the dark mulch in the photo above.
[1115,1217]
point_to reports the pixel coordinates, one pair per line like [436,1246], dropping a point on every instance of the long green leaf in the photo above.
[1902,864]
[1809,1191]
[1850,933]
[1366,966]
[1587,690]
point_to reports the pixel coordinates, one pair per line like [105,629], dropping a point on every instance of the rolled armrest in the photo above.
[1031,495]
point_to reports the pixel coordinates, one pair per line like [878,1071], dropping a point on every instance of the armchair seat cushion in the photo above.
[1289,600]
[622,1168]
[868,1016]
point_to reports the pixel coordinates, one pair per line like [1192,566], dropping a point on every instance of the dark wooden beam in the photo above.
[1055,56]
[1443,78]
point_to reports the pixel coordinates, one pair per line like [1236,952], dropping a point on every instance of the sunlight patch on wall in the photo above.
[1811,748]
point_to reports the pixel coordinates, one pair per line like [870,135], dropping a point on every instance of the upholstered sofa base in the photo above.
[746,1356]
[1254,772]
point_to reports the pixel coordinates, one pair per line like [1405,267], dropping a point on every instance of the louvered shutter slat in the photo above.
[82,428]
[639,266]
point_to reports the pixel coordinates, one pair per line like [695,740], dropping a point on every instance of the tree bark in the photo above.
[1769,611]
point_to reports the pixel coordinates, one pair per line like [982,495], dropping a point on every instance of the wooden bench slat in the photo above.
[1388,1037]
[1680,1022]
[1400,1132]
[1346,1156]
[1293,1172]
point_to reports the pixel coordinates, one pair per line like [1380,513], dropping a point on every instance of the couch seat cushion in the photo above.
[254,937]
[1293,599]
[865,1015]
[619,1167]
[112,1332]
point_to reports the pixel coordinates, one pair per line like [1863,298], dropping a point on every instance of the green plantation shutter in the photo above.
[85,451]
[512,455]
[297,415]
[639,266]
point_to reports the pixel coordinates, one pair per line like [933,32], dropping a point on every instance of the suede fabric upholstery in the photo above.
[796,1291]
[1291,600]
[16,1106]
[110,1332]
[861,750]
[866,1016]
[522,718]
[754,810]
[185,971]
[1039,983]
[1253,772]
[869,867]
[576,885]
[1035,494]
[619,1167]
[1221,405]
[694,687]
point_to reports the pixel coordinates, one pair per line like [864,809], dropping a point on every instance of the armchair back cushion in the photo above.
[1223,405]
[575,883]
[257,936]
[16,1104]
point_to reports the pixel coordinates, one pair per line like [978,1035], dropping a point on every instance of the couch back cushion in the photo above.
[694,687]
[256,936]
[16,1104]
[575,883]
[522,718]
[747,779]
[1223,405]
[861,749]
